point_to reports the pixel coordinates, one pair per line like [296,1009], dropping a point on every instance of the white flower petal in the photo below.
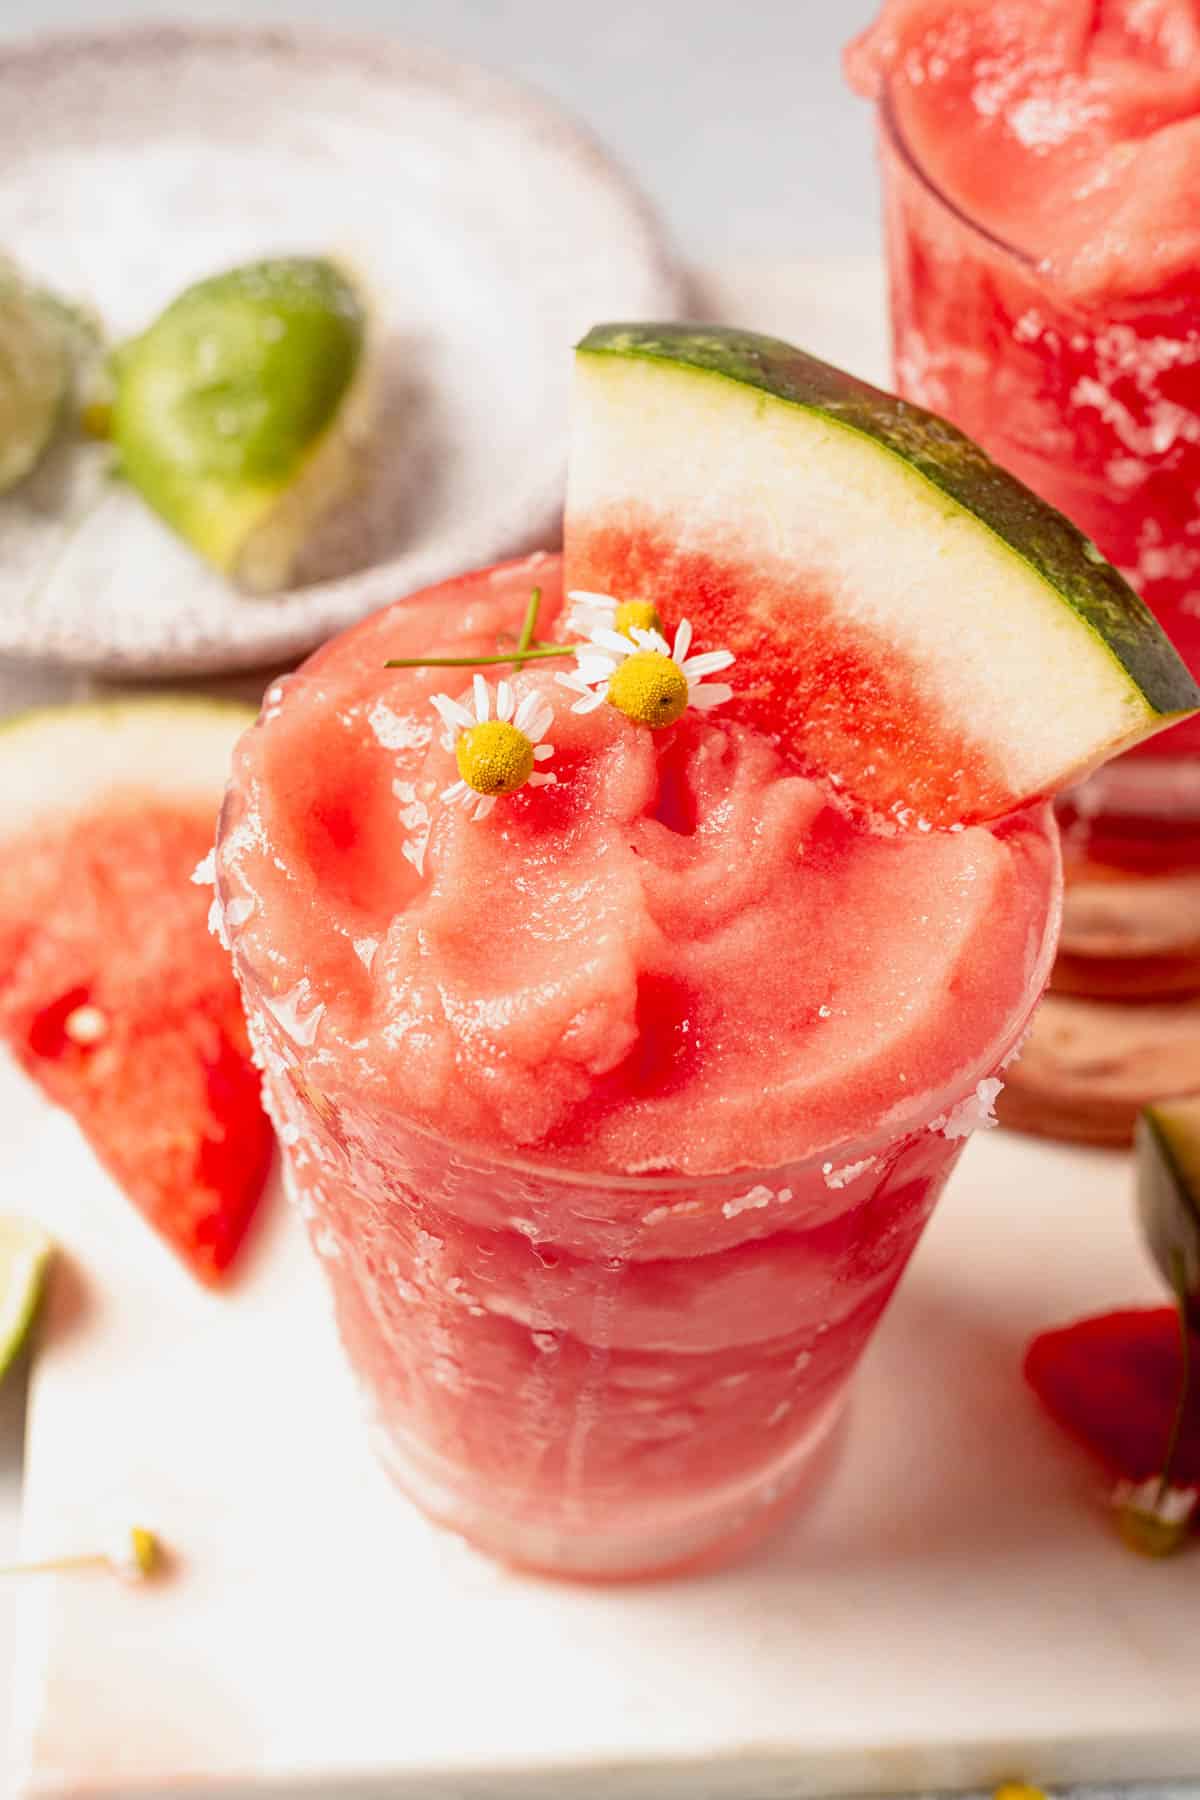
[614,642]
[532,704]
[483,699]
[709,663]
[586,619]
[454,792]
[485,806]
[539,780]
[452,713]
[591,701]
[543,753]
[592,668]
[605,601]
[536,728]
[705,698]
[504,700]
[574,682]
[654,641]
[683,640]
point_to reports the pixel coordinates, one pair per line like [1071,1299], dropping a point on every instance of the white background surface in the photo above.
[734,117]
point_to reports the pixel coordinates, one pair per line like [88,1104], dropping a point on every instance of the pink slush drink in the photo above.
[615,1124]
[1039,161]
[621,1021]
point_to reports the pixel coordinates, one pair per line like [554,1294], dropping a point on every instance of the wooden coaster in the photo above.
[1129,937]
[1089,1065]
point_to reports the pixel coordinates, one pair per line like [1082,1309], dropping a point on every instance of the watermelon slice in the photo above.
[1167,1141]
[908,619]
[113,995]
[1113,1383]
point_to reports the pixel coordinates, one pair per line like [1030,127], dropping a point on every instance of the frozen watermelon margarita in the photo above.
[624,1008]
[1039,162]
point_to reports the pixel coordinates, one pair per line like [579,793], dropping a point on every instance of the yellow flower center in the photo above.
[650,689]
[494,758]
[145,1550]
[636,614]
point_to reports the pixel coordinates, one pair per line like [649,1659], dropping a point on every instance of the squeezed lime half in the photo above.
[236,412]
[35,374]
[25,1253]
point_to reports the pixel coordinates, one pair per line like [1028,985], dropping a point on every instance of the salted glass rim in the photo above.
[894,134]
[892,1129]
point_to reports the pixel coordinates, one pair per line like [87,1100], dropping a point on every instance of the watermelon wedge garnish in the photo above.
[113,995]
[908,619]
[1113,1383]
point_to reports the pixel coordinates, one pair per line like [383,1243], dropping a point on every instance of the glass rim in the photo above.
[894,134]
[886,1132]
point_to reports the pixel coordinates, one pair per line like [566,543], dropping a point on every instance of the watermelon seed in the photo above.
[86,1025]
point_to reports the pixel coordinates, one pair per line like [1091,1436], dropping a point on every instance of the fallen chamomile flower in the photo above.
[601,612]
[497,755]
[649,680]
[133,1554]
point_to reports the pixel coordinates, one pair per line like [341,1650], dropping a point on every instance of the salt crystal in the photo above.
[394,732]
[975,1113]
[840,1178]
[238,911]
[747,1202]
[298,1013]
[216,923]
[205,872]
[365,949]
[326,1244]
[681,1208]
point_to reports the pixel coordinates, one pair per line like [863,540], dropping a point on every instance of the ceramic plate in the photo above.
[489,231]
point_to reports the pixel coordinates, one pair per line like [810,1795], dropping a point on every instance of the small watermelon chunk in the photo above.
[114,997]
[909,620]
[1113,1383]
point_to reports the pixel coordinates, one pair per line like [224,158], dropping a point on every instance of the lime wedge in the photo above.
[25,1253]
[238,414]
[35,375]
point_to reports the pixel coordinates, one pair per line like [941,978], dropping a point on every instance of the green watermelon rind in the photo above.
[1167,1145]
[961,475]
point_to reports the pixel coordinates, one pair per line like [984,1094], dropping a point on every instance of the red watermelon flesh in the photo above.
[846,702]
[98,911]
[1113,1383]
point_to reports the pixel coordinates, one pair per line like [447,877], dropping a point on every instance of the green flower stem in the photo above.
[1179,1283]
[481,662]
[528,627]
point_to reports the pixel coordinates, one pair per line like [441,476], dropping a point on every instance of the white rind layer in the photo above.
[728,468]
[57,759]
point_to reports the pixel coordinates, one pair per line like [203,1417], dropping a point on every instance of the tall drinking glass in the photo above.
[586,1367]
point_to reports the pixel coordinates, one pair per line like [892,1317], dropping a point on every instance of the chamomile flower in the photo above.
[600,612]
[495,755]
[649,680]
